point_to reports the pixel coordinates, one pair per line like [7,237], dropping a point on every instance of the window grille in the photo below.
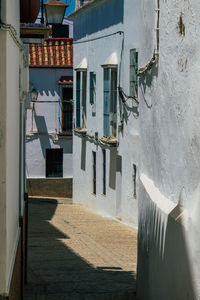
[67,110]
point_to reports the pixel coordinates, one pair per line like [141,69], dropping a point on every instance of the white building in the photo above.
[164,140]
[13,89]
[106,138]
[49,118]
[169,231]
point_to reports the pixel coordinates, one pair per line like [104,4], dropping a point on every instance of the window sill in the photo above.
[111,141]
[80,131]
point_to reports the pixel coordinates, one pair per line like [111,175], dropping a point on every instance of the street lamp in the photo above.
[55,11]
[34,95]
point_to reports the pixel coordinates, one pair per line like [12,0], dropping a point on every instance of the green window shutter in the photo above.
[91,88]
[78,96]
[106,121]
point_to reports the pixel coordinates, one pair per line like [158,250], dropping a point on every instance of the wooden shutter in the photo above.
[91,88]
[106,121]
[78,100]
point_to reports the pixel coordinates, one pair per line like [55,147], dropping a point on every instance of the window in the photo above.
[134,181]
[67,110]
[133,73]
[81,94]
[94,172]
[93,92]
[54,162]
[110,102]
[104,171]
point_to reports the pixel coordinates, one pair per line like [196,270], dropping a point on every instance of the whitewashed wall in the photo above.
[164,141]
[11,61]
[169,247]
[45,120]
[107,18]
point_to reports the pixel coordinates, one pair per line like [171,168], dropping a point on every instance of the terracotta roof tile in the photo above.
[66,80]
[55,52]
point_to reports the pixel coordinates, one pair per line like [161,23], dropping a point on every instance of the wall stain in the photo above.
[182,64]
[181,25]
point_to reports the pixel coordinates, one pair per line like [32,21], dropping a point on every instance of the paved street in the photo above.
[75,254]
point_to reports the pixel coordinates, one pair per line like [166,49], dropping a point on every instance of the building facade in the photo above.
[106,136]
[169,249]
[153,146]
[49,117]
[13,91]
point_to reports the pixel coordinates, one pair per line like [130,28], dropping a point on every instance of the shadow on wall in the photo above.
[163,262]
[145,81]
[43,133]
[54,269]
[107,15]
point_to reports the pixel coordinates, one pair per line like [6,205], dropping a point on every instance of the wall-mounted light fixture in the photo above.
[34,95]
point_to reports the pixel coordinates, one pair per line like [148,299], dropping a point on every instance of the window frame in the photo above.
[81,98]
[67,111]
[110,77]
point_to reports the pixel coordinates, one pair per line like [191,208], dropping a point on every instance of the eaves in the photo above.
[86,8]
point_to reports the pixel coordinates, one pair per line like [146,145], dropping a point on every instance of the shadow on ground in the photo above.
[56,272]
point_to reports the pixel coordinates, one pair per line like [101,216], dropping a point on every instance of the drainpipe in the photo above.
[154,60]
[157,29]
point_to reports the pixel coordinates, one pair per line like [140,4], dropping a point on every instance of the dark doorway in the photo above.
[54,162]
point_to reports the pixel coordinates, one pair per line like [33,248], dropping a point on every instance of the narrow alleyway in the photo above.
[75,254]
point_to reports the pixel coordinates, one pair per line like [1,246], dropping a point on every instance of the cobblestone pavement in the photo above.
[74,254]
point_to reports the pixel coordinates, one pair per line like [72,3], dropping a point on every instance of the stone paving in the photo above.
[74,254]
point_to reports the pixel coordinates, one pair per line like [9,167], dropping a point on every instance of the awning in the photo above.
[66,80]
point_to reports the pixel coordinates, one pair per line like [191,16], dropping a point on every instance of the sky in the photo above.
[70,8]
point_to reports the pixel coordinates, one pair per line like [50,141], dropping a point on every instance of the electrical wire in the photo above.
[125,97]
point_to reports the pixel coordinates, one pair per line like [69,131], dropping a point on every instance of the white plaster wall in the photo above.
[169,248]
[95,23]
[12,148]
[10,63]
[3,166]
[10,13]
[42,131]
